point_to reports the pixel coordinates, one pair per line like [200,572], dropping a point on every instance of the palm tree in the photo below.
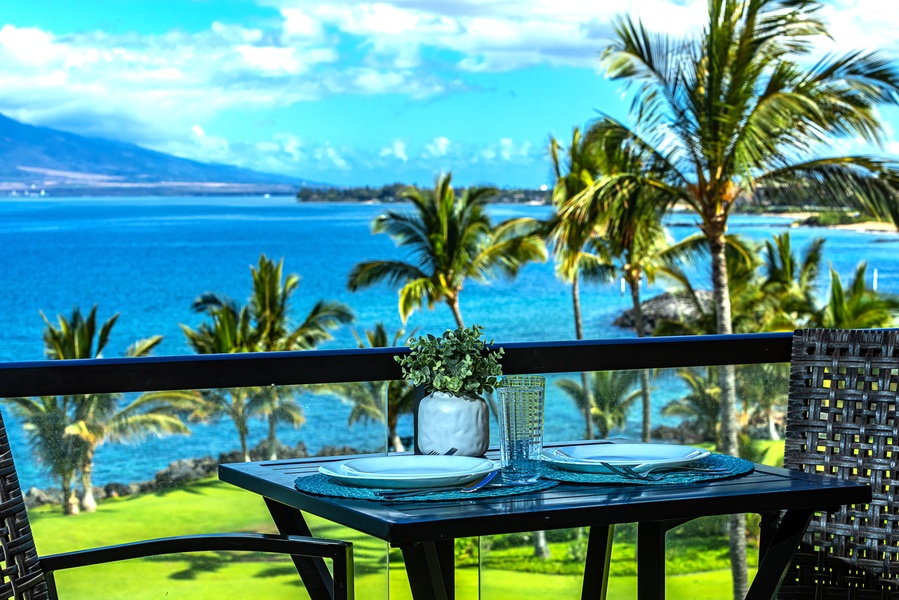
[96,418]
[229,332]
[571,238]
[451,240]
[792,281]
[45,420]
[751,307]
[701,405]
[634,240]
[261,326]
[762,390]
[613,392]
[731,115]
[860,308]
[270,312]
[367,398]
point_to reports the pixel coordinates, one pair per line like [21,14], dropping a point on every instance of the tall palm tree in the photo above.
[451,240]
[230,331]
[571,239]
[731,114]
[634,240]
[262,326]
[614,392]
[270,312]
[97,418]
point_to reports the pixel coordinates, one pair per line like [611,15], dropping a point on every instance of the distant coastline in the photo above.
[801,218]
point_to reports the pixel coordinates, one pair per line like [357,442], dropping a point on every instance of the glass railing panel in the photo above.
[151,486]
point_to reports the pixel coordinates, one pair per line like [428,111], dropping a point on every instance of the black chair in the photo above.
[25,575]
[842,421]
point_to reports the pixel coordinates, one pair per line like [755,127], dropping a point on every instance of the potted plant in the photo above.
[454,369]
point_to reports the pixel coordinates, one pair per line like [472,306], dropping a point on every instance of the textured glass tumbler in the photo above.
[521,427]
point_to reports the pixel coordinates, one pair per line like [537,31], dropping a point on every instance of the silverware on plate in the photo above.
[658,473]
[473,487]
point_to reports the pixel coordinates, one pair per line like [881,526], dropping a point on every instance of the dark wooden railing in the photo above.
[110,375]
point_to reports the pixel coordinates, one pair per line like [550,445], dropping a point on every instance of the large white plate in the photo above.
[640,457]
[409,471]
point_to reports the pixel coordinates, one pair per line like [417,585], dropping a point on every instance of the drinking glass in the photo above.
[521,427]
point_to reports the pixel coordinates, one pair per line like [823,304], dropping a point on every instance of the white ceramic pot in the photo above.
[446,421]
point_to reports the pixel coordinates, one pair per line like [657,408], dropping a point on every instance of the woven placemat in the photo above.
[326,486]
[735,467]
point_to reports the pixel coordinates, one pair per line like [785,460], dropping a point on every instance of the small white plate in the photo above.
[409,471]
[640,457]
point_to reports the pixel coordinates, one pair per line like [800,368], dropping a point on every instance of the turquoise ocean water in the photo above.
[148,258]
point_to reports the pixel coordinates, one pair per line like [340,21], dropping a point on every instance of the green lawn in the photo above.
[210,506]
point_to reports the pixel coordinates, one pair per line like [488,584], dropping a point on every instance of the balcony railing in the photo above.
[119,375]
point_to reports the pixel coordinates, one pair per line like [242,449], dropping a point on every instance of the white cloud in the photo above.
[155,89]
[329,155]
[506,150]
[397,148]
[439,146]
[490,35]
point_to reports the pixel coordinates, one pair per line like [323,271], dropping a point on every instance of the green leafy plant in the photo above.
[458,362]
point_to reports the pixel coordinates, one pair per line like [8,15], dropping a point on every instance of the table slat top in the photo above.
[566,505]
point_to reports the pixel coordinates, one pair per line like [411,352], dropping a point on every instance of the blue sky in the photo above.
[346,92]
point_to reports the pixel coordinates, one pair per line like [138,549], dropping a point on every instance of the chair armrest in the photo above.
[252,542]
[339,551]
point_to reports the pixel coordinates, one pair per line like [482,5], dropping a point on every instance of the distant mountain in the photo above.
[34,158]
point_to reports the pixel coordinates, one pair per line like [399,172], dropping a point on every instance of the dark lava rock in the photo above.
[668,307]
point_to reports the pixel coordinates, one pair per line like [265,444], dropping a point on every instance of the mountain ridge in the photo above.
[35,158]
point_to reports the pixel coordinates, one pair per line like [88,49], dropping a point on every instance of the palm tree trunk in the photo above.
[393,440]
[88,502]
[579,334]
[244,450]
[396,443]
[772,426]
[541,548]
[644,374]
[69,499]
[453,302]
[727,381]
[272,439]
[576,302]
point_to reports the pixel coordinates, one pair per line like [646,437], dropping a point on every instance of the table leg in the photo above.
[781,546]
[651,560]
[430,568]
[596,566]
[313,571]
[767,529]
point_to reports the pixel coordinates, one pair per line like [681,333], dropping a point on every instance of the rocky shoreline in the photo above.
[180,473]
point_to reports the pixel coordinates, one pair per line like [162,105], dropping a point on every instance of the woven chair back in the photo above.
[841,421]
[20,572]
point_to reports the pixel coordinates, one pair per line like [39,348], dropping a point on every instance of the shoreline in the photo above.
[862,227]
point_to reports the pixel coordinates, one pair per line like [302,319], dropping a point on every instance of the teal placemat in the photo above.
[326,486]
[735,467]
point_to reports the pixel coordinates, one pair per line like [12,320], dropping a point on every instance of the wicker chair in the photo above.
[25,575]
[841,421]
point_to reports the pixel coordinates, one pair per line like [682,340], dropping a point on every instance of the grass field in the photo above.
[697,558]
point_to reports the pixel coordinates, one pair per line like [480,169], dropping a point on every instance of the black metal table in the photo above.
[425,530]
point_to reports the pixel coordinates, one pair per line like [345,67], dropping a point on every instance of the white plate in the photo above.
[409,471]
[640,457]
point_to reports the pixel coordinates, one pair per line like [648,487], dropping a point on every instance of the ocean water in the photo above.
[148,258]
